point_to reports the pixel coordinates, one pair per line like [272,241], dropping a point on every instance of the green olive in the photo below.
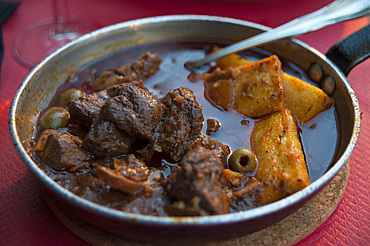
[68,95]
[55,117]
[243,160]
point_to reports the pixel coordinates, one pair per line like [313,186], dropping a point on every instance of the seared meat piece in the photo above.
[116,90]
[130,112]
[108,78]
[212,126]
[221,150]
[141,69]
[86,108]
[135,111]
[132,168]
[181,125]
[60,149]
[195,185]
[106,140]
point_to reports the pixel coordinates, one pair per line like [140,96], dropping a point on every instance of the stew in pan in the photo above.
[135,131]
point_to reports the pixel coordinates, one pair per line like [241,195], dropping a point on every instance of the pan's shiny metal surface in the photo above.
[38,87]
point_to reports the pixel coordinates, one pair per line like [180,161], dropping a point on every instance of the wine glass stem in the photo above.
[63,28]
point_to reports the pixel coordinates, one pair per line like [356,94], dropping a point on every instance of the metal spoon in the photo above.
[337,11]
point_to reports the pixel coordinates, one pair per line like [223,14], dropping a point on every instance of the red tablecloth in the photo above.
[25,218]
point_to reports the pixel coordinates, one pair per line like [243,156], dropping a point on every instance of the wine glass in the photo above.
[42,38]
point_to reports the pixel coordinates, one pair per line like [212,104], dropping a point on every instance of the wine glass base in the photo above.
[41,39]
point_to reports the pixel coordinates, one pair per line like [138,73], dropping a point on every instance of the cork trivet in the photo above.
[288,231]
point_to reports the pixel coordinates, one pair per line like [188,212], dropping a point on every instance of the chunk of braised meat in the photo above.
[221,150]
[77,129]
[61,150]
[106,140]
[132,168]
[116,90]
[181,124]
[129,175]
[140,69]
[212,126]
[86,108]
[108,78]
[143,67]
[135,111]
[195,185]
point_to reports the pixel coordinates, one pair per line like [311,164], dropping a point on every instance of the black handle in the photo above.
[352,50]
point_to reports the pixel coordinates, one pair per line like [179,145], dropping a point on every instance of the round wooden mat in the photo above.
[288,231]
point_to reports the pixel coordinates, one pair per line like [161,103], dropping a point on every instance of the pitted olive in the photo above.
[243,160]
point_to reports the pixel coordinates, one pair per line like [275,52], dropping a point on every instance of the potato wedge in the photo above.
[258,90]
[253,90]
[281,164]
[304,100]
[219,87]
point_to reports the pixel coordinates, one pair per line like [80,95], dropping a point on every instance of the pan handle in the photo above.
[352,50]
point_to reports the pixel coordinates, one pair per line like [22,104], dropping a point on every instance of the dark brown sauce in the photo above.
[319,136]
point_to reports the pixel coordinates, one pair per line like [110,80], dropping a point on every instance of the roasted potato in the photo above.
[281,164]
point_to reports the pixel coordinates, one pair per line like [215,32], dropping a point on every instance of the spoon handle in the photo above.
[337,11]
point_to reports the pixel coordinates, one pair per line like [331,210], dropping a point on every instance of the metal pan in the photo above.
[39,86]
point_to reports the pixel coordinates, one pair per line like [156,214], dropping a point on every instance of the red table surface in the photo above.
[25,218]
